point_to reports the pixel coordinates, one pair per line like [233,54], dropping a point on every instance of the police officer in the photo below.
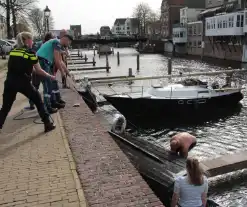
[21,62]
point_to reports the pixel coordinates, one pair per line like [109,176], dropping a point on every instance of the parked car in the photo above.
[12,42]
[6,46]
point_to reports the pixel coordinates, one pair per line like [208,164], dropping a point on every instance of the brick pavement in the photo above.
[108,177]
[37,169]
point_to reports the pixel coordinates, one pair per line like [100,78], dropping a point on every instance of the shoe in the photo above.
[52,110]
[58,105]
[49,126]
[31,108]
[61,101]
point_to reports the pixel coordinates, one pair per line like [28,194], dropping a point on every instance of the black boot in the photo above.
[61,101]
[49,126]
[58,105]
[52,110]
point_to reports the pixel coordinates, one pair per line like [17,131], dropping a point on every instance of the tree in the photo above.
[16,8]
[142,13]
[37,21]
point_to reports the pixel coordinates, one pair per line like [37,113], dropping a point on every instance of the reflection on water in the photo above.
[217,137]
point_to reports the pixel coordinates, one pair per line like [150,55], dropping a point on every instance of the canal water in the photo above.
[225,135]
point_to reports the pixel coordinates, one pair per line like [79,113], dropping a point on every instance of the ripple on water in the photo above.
[216,138]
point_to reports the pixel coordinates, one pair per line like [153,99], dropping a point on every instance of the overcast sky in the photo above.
[92,14]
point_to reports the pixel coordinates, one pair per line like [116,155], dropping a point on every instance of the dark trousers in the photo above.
[12,86]
[36,80]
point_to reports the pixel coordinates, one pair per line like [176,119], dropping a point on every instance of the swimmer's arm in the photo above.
[183,152]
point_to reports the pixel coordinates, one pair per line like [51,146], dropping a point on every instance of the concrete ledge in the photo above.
[107,176]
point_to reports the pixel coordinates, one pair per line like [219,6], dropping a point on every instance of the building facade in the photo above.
[189,14]
[105,31]
[170,13]
[125,26]
[224,30]
[195,37]
[76,31]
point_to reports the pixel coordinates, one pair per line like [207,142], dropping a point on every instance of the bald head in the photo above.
[174,145]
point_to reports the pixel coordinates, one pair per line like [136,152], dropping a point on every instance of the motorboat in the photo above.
[182,100]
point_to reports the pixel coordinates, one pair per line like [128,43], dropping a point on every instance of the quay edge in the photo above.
[108,178]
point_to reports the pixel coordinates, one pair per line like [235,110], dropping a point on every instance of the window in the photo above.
[242,20]
[194,44]
[209,2]
[224,24]
[208,26]
[199,45]
[220,23]
[199,29]
[230,21]
[189,30]
[238,21]
[181,34]
[245,17]
[194,29]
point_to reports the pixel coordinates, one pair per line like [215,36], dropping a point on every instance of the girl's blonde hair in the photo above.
[21,37]
[195,171]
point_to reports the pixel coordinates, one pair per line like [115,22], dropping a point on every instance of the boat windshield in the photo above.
[192,82]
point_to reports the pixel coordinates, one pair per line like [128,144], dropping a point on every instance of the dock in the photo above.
[225,164]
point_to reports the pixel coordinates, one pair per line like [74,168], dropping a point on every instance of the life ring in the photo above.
[119,124]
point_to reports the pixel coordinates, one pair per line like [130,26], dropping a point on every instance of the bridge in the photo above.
[109,40]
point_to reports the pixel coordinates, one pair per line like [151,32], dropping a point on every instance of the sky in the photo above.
[92,14]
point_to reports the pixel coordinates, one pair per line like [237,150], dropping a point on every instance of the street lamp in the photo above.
[47,13]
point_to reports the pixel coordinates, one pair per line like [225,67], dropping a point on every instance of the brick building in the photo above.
[170,13]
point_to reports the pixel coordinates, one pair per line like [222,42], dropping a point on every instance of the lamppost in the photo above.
[47,13]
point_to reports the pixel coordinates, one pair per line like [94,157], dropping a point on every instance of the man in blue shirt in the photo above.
[49,53]
[36,79]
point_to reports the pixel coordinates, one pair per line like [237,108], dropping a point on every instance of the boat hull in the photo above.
[147,110]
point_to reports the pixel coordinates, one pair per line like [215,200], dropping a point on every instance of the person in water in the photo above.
[191,190]
[182,143]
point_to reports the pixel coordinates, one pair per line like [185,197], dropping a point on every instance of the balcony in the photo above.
[231,24]
[179,33]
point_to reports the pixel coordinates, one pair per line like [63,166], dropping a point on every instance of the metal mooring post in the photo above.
[138,62]
[107,63]
[118,58]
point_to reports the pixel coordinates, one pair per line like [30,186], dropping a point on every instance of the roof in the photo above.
[105,27]
[120,21]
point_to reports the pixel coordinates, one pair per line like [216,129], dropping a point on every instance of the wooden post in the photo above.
[118,58]
[138,62]
[78,53]
[107,63]
[93,61]
[169,65]
[81,55]
[94,51]
[130,72]
[130,75]
[85,57]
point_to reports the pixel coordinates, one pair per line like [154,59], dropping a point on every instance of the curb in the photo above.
[80,192]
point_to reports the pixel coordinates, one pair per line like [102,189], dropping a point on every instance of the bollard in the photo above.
[130,72]
[78,53]
[138,62]
[113,51]
[81,55]
[94,51]
[169,66]
[107,63]
[85,57]
[118,58]
[93,61]
[130,75]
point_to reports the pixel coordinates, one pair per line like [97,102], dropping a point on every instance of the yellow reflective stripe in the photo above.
[19,54]
[34,58]
[25,56]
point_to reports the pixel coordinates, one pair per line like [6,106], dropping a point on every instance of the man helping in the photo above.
[182,143]
[49,53]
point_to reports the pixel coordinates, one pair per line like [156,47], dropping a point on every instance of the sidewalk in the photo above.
[37,169]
